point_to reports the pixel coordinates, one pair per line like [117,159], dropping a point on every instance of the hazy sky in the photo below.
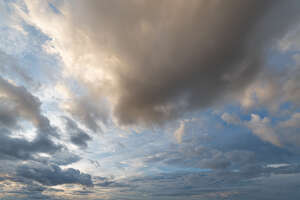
[149,100]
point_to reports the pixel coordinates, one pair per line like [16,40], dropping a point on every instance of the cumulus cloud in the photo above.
[262,128]
[17,148]
[53,175]
[142,63]
[157,60]
[272,88]
[281,133]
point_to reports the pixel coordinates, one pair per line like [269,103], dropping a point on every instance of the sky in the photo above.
[149,100]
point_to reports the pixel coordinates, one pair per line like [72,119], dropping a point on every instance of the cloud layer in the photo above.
[160,59]
[85,86]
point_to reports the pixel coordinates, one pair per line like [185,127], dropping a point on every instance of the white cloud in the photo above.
[293,122]
[179,132]
[259,126]
[230,119]
[262,128]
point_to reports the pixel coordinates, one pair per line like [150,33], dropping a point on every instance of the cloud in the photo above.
[19,148]
[233,159]
[16,104]
[282,133]
[21,190]
[62,157]
[142,63]
[291,41]
[154,65]
[53,175]
[179,132]
[293,122]
[11,68]
[77,135]
[90,112]
[26,105]
[230,119]
[263,129]
[215,185]
[199,157]
[272,88]
[8,112]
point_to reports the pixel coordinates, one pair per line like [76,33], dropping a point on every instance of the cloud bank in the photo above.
[155,61]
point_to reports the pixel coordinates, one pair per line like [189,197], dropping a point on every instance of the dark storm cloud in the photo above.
[53,175]
[77,135]
[177,56]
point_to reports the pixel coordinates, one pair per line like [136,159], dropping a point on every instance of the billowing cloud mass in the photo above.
[18,103]
[53,175]
[17,107]
[141,99]
[157,60]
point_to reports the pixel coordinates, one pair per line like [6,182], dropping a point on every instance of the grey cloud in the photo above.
[282,133]
[175,56]
[95,163]
[193,185]
[189,185]
[18,148]
[25,102]
[29,192]
[8,116]
[62,157]
[18,103]
[53,175]
[203,158]
[233,159]
[272,88]
[106,182]
[77,135]
[82,192]
[91,112]
[27,106]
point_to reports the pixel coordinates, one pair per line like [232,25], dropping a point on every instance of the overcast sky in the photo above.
[149,100]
